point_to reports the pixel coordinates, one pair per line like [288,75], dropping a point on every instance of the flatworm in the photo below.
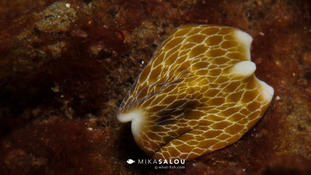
[198,93]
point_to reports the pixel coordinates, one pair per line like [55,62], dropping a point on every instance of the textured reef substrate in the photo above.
[65,67]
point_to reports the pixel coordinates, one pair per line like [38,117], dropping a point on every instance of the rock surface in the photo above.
[65,67]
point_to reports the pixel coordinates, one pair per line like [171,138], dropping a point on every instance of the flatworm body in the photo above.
[198,93]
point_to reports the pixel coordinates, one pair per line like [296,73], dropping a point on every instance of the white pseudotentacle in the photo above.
[246,40]
[243,69]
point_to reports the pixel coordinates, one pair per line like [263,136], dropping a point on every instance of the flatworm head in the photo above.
[198,93]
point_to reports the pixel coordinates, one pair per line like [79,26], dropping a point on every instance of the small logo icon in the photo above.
[130,161]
